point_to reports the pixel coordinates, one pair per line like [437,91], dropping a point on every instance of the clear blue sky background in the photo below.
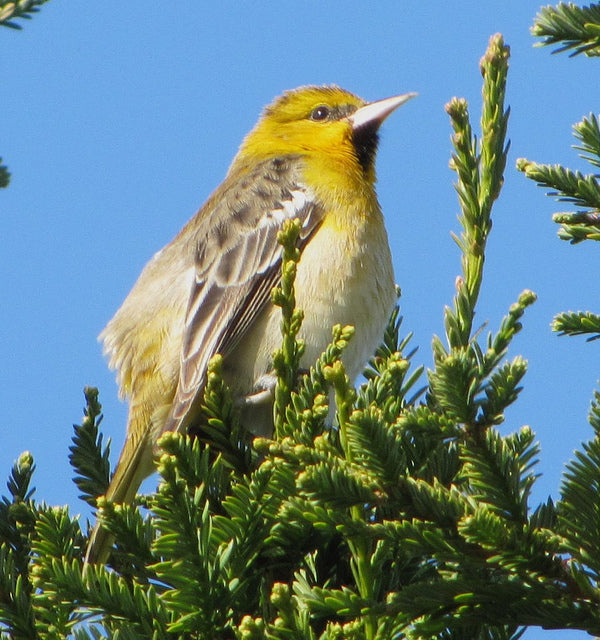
[118,122]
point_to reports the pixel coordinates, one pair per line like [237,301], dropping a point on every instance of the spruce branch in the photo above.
[479,167]
[335,374]
[88,458]
[286,361]
[134,536]
[499,471]
[220,426]
[13,9]
[594,414]
[17,521]
[308,407]
[577,28]
[57,535]
[578,516]
[389,379]
[582,190]
[4,176]
[578,323]
[469,383]
[579,226]
[569,186]
[130,610]
[588,133]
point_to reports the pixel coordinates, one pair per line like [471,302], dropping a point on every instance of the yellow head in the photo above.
[322,122]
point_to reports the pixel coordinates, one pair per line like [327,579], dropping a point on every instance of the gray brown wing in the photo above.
[237,264]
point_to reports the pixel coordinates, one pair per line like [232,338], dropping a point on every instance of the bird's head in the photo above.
[322,121]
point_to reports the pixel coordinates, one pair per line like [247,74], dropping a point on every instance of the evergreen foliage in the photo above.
[576,29]
[567,185]
[12,9]
[4,176]
[409,518]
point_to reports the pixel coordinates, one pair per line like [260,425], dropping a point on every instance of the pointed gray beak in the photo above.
[377,112]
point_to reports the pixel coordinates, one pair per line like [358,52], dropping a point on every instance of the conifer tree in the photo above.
[410,517]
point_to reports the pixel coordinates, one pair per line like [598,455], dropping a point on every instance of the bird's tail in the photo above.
[135,463]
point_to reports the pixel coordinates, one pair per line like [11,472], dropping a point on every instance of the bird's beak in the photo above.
[377,112]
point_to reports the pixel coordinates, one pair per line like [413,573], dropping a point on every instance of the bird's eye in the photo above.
[320,113]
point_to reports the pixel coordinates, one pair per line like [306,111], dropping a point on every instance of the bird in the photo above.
[311,156]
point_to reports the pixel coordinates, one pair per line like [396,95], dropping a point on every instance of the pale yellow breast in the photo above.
[345,276]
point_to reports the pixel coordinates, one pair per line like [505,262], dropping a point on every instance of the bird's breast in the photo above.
[345,276]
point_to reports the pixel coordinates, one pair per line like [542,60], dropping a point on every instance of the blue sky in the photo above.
[117,124]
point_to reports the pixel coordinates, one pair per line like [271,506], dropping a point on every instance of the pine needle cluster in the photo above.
[578,28]
[4,176]
[574,28]
[12,9]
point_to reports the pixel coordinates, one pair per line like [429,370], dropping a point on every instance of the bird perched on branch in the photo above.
[311,156]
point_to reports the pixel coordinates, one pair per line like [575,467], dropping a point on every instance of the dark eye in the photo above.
[320,113]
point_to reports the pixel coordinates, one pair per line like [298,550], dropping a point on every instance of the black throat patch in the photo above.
[365,140]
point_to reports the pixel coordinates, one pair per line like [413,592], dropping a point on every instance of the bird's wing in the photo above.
[237,264]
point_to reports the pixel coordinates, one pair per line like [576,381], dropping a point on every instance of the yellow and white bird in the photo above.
[310,156]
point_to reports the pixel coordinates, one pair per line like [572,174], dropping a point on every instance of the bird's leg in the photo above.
[263,392]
